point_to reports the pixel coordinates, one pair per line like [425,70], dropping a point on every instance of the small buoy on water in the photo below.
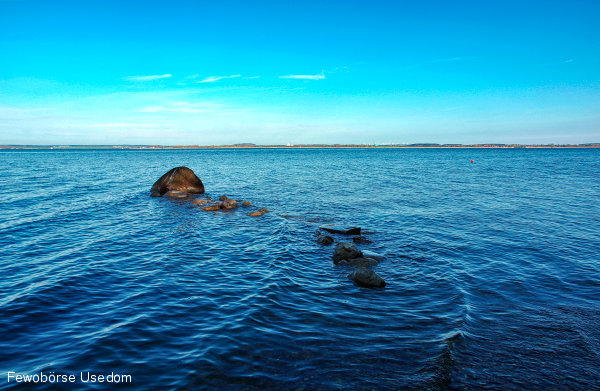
[472,161]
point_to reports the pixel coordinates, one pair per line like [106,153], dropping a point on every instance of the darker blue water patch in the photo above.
[493,270]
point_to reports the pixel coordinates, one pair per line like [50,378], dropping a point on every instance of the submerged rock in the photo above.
[180,179]
[361,239]
[344,231]
[367,278]
[175,194]
[228,203]
[360,261]
[345,250]
[247,203]
[373,255]
[223,198]
[200,202]
[259,212]
[212,208]
[324,239]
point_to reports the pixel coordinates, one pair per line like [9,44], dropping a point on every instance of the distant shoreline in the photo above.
[302,146]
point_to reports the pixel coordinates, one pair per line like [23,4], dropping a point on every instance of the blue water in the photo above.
[493,270]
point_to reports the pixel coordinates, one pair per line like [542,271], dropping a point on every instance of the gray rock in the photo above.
[345,250]
[324,239]
[367,278]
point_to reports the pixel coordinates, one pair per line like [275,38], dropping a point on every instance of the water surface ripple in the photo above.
[493,269]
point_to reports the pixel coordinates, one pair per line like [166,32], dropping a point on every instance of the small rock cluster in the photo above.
[226,203]
[181,182]
[347,253]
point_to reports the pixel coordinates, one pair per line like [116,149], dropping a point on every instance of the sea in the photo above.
[492,265]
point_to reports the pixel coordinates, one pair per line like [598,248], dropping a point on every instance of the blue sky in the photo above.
[192,72]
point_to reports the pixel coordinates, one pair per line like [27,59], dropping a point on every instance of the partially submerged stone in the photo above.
[228,203]
[259,212]
[361,239]
[344,231]
[366,278]
[212,208]
[324,239]
[180,179]
[199,201]
[345,250]
[247,203]
[223,198]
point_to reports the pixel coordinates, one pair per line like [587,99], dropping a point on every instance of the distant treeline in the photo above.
[251,145]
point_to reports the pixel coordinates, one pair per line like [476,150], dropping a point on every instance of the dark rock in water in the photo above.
[175,194]
[361,239]
[247,203]
[212,208]
[223,198]
[324,239]
[345,250]
[367,278]
[228,203]
[180,179]
[345,231]
[259,212]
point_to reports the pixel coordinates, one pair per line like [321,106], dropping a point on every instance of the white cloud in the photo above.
[319,76]
[147,78]
[212,79]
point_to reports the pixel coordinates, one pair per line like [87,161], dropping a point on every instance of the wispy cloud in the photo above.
[183,107]
[147,78]
[159,109]
[319,76]
[122,125]
[212,79]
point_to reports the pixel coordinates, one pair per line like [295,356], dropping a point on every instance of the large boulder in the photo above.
[180,179]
